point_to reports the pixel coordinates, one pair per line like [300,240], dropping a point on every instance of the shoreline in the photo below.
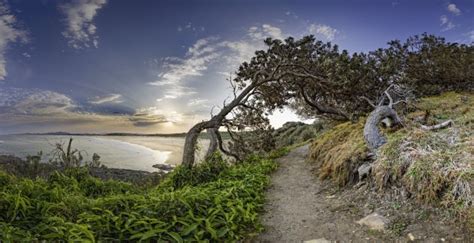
[172,145]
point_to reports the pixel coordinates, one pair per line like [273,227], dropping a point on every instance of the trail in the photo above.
[297,208]
[301,208]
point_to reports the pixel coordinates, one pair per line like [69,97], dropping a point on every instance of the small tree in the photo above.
[66,156]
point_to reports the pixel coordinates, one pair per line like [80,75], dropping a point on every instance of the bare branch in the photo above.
[438,126]
[368,101]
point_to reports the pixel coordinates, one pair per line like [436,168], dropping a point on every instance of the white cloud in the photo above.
[325,30]
[191,27]
[444,19]
[198,102]
[206,53]
[111,98]
[176,70]
[34,102]
[25,110]
[81,31]
[446,24]
[453,9]
[9,33]
[261,32]
[470,34]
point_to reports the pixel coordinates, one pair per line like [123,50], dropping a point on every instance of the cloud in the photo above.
[453,9]
[261,32]
[176,70]
[153,115]
[9,33]
[198,102]
[444,19]
[145,119]
[25,110]
[81,31]
[470,34]
[34,102]
[190,27]
[325,30]
[203,54]
[111,98]
[446,24]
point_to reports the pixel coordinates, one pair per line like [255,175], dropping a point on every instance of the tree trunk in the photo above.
[190,144]
[213,143]
[214,123]
[372,134]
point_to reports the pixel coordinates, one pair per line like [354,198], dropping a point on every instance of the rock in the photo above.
[411,237]
[165,167]
[364,170]
[374,221]
[321,240]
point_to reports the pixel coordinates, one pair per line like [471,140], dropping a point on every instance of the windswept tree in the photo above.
[316,79]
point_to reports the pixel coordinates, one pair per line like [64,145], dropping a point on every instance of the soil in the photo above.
[300,208]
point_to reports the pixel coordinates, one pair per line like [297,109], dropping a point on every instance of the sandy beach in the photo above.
[164,144]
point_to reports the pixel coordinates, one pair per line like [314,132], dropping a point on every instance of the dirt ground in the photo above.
[300,208]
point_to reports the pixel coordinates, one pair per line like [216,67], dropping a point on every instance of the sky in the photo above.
[148,66]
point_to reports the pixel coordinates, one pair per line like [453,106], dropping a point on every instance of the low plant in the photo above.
[215,202]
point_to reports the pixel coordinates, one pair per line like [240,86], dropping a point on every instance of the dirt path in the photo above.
[297,209]
[300,208]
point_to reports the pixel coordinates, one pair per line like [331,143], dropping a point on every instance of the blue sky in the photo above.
[159,66]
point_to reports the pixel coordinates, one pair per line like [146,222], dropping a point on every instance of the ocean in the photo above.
[127,152]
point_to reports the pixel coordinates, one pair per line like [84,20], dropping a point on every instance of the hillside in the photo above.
[426,167]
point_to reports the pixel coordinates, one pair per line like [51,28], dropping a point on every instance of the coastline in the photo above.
[173,145]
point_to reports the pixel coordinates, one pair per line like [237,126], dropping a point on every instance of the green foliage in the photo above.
[277,153]
[211,202]
[204,172]
[297,132]
[318,79]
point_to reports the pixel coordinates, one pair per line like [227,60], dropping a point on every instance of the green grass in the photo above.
[212,202]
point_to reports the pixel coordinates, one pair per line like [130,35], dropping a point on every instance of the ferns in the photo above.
[212,202]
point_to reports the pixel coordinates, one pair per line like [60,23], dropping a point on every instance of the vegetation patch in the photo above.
[340,151]
[298,132]
[214,201]
[434,166]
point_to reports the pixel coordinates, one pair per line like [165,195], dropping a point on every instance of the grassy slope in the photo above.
[212,201]
[433,166]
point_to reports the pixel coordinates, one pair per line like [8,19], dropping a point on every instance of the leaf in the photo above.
[175,236]
[190,229]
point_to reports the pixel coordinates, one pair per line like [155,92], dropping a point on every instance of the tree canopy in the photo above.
[317,79]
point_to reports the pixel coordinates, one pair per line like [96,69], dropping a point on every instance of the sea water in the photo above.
[113,153]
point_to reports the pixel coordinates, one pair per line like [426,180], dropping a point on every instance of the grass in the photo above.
[435,167]
[212,202]
[339,151]
[292,133]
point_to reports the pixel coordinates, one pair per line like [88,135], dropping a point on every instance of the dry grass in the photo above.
[433,166]
[339,151]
